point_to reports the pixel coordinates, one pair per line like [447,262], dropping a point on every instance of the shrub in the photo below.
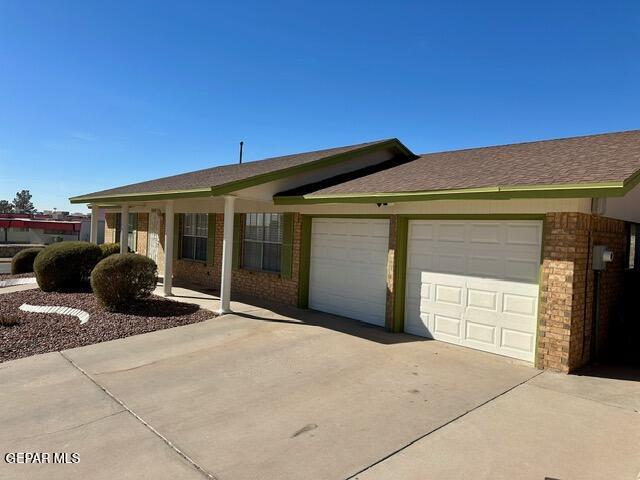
[109,249]
[65,265]
[123,278]
[22,262]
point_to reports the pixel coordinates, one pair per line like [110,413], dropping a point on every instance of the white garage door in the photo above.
[349,267]
[475,283]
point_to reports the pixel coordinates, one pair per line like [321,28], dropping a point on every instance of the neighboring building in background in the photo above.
[46,228]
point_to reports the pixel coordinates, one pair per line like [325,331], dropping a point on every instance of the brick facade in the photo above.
[142,233]
[391,271]
[266,285]
[566,294]
[109,227]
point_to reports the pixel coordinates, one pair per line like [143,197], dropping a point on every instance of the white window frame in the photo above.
[262,242]
[200,230]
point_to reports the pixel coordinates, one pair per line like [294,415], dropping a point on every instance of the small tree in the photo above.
[22,202]
[5,206]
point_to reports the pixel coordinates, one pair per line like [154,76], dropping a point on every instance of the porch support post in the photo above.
[95,215]
[124,228]
[227,255]
[168,248]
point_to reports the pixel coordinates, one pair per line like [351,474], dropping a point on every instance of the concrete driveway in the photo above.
[303,395]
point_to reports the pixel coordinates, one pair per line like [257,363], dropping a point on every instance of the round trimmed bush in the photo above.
[22,262]
[109,249]
[123,278]
[65,265]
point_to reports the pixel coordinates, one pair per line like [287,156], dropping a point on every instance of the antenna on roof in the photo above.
[241,144]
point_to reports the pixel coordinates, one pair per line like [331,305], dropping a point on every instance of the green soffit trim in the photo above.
[393,143]
[605,189]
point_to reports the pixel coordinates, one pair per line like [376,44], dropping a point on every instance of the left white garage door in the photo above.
[349,267]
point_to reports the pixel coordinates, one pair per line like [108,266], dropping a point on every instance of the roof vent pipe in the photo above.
[241,144]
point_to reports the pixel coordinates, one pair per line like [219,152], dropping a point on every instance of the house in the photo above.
[490,248]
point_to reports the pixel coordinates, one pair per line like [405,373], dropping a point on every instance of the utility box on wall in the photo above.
[601,256]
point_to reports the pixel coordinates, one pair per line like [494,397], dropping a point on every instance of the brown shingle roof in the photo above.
[611,157]
[226,174]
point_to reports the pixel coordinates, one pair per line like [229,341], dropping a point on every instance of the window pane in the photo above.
[188,227]
[271,260]
[251,254]
[273,227]
[251,227]
[187,247]
[201,249]
[201,229]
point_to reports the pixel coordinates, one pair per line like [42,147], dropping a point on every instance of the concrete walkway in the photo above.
[282,394]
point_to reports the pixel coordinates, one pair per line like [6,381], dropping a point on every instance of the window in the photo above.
[195,233]
[262,243]
[131,238]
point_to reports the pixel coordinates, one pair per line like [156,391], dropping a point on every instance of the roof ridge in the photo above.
[530,142]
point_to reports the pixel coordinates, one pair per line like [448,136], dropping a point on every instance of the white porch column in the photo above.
[95,216]
[227,254]
[124,228]
[168,248]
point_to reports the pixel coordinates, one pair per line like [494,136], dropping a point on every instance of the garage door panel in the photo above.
[524,234]
[482,333]
[519,269]
[451,263]
[447,327]
[482,233]
[482,292]
[517,341]
[349,267]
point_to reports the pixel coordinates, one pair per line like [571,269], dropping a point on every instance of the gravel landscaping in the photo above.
[36,333]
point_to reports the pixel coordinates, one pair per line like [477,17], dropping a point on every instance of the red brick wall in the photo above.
[566,292]
[270,286]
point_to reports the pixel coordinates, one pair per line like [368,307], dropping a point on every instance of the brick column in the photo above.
[391,269]
[566,290]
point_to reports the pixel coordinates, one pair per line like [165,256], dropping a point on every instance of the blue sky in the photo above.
[95,95]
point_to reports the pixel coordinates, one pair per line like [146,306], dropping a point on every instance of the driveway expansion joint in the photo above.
[404,447]
[168,442]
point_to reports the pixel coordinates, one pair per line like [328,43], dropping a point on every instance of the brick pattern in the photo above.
[142,232]
[109,227]
[270,286]
[391,264]
[566,292]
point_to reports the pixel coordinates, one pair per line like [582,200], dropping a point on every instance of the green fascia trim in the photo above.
[400,273]
[305,262]
[249,182]
[609,189]
[307,167]
[129,197]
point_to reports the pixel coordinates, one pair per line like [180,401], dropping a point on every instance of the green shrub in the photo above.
[65,265]
[22,262]
[109,249]
[123,278]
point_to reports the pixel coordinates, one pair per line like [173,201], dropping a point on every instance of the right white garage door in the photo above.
[475,283]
